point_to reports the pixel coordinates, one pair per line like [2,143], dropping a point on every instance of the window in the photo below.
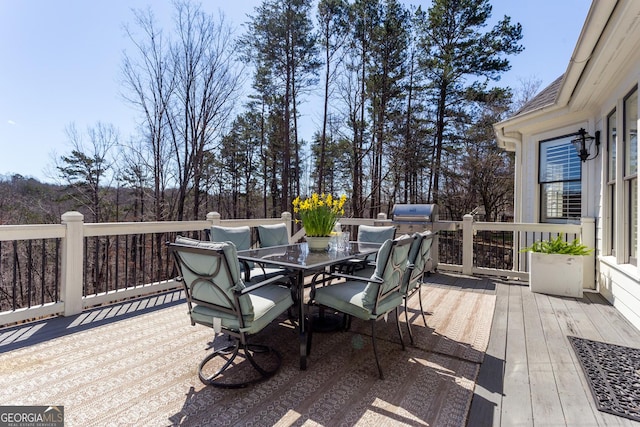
[560,181]
[631,172]
[611,179]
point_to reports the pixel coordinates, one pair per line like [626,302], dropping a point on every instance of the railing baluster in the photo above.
[57,271]
[42,271]
[117,258]
[29,272]
[106,266]
[126,261]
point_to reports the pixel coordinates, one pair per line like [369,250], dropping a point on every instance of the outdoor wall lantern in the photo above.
[583,142]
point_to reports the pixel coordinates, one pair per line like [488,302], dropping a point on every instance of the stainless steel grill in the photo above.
[412,218]
[416,218]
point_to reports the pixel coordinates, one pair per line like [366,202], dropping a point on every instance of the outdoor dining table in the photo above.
[303,262]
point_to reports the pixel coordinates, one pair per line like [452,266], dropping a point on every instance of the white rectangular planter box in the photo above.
[558,274]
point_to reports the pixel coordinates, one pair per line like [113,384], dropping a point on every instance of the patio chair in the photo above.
[218,298]
[241,238]
[270,235]
[367,234]
[419,256]
[368,299]
[273,235]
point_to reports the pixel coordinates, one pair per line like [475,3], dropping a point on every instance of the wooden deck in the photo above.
[530,375]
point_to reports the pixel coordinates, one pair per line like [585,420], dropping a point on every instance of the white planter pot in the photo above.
[318,243]
[557,274]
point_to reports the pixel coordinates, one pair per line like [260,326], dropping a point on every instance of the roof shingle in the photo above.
[546,97]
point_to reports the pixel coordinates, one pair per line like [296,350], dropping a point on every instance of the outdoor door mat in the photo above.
[613,374]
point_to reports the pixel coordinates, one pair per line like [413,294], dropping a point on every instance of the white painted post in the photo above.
[72,262]
[214,218]
[467,244]
[287,218]
[588,238]
[382,216]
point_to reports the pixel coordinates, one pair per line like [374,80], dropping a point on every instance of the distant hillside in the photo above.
[29,201]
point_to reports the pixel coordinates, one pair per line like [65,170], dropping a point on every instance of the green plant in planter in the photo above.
[558,246]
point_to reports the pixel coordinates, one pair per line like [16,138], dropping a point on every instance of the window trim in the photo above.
[630,253]
[542,215]
[611,180]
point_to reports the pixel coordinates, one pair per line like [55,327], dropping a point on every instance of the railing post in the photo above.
[286,218]
[467,244]
[214,218]
[382,216]
[72,262]
[588,238]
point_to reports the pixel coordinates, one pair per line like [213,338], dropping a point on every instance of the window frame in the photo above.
[611,171]
[563,141]
[630,178]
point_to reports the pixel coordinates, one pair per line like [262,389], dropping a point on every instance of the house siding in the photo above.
[583,98]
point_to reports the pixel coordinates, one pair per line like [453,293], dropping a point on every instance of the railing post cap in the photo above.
[382,215]
[72,216]
[286,215]
[213,215]
[467,217]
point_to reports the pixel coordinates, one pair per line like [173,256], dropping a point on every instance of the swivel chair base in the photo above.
[229,353]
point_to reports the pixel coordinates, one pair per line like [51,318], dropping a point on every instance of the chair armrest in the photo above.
[357,278]
[261,284]
[247,270]
[329,276]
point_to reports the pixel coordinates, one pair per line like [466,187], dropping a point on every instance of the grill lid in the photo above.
[418,212]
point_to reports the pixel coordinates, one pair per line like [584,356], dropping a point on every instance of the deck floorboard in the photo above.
[531,375]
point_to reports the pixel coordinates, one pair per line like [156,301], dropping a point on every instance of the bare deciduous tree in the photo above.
[87,169]
[149,84]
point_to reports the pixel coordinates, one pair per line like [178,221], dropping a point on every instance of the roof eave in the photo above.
[594,25]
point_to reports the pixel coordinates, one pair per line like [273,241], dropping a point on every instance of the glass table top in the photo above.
[299,256]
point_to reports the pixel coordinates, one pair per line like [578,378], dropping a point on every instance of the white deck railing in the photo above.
[72,232]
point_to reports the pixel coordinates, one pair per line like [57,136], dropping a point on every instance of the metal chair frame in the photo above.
[416,276]
[327,277]
[233,307]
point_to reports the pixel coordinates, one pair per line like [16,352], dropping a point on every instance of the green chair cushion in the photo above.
[200,266]
[273,235]
[240,236]
[409,278]
[419,261]
[375,234]
[268,303]
[391,265]
[348,297]
[371,291]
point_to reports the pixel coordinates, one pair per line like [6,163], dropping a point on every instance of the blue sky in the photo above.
[61,63]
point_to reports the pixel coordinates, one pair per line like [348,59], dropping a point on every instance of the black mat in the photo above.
[613,374]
